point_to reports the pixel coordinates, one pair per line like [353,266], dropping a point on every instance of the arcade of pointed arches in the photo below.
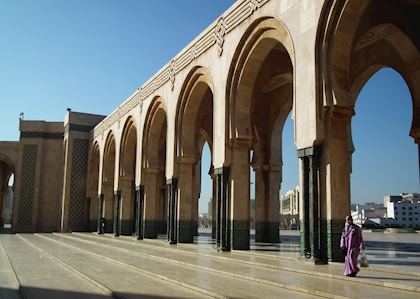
[144,176]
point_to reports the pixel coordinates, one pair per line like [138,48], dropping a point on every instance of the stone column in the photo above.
[3,202]
[305,249]
[99,229]
[239,215]
[171,189]
[267,186]
[127,205]
[117,213]
[213,203]
[417,141]
[310,228]
[273,205]
[140,212]
[222,209]
[196,197]
[185,200]
[108,206]
[152,197]
[335,171]
[162,210]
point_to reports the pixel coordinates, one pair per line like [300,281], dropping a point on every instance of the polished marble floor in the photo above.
[388,250]
[90,266]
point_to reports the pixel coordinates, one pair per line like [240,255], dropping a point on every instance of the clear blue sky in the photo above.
[91,55]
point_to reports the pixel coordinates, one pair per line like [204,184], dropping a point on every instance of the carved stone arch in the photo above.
[153,209]
[260,89]
[198,87]
[395,51]
[155,125]
[355,39]
[109,157]
[94,161]
[8,161]
[128,148]
[262,37]
[347,27]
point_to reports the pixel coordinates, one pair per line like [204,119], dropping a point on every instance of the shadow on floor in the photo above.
[41,293]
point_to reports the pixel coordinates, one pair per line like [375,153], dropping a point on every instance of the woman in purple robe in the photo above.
[351,243]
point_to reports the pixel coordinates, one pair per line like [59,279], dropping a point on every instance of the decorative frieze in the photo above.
[214,35]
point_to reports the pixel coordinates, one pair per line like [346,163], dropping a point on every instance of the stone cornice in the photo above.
[215,34]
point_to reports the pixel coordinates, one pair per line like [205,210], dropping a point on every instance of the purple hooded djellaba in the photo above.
[351,243]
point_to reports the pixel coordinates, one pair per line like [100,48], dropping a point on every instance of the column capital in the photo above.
[126,178]
[222,170]
[152,170]
[415,133]
[341,112]
[172,181]
[140,188]
[309,151]
[241,142]
[107,183]
[186,160]
[267,167]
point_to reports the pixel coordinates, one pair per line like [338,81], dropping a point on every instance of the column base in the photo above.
[93,225]
[305,248]
[240,234]
[267,232]
[109,227]
[151,229]
[312,260]
[186,231]
[127,227]
[195,228]
[330,240]
[213,229]
[162,227]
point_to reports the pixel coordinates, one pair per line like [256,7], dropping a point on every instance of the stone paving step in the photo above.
[9,283]
[228,286]
[40,276]
[366,276]
[266,275]
[123,281]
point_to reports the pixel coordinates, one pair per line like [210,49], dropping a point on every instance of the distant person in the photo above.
[103,225]
[351,243]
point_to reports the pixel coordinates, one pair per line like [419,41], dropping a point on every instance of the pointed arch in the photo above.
[128,148]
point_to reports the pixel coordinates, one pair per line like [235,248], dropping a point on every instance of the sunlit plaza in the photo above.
[86,265]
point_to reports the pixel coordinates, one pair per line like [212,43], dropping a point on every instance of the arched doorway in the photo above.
[205,204]
[127,178]
[6,196]
[383,116]
[367,36]
[260,89]
[194,128]
[153,207]
[108,183]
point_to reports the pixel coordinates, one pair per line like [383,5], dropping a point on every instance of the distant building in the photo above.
[380,222]
[369,210]
[289,209]
[406,210]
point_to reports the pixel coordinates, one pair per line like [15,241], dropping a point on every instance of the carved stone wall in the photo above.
[30,153]
[78,202]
